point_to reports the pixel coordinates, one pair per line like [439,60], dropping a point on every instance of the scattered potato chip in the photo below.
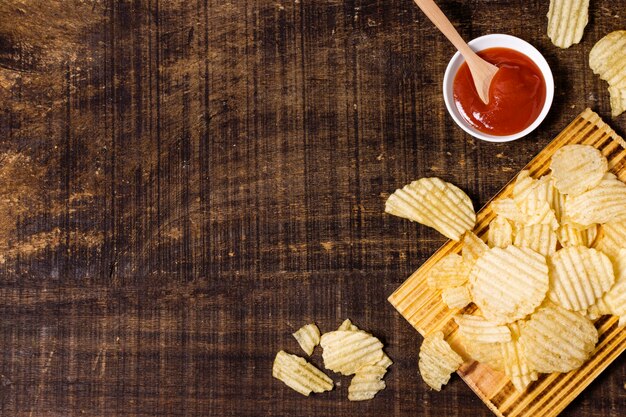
[500,233]
[346,352]
[456,297]
[557,340]
[434,203]
[508,284]
[578,276]
[308,337]
[385,362]
[347,325]
[515,362]
[575,235]
[538,237]
[577,168]
[437,361]
[473,248]
[300,375]
[614,301]
[566,21]
[612,239]
[508,208]
[602,204]
[607,58]
[617,97]
[366,383]
[488,353]
[481,330]
[449,272]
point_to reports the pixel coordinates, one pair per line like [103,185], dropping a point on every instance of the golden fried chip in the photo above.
[617,97]
[385,362]
[456,297]
[489,354]
[612,238]
[607,58]
[523,186]
[434,203]
[602,204]
[577,168]
[347,325]
[366,383]
[539,237]
[347,351]
[300,375]
[449,272]
[575,235]
[515,364]
[500,233]
[614,301]
[481,330]
[566,21]
[437,361]
[508,284]
[308,337]
[473,248]
[508,208]
[557,340]
[579,276]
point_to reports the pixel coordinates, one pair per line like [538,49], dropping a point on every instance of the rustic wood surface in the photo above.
[185,183]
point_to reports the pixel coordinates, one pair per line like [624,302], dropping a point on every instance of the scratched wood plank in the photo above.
[183,183]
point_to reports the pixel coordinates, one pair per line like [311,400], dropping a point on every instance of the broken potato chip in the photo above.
[347,351]
[366,383]
[300,375]
[308,337]
[607,59]
[449,272]
[437,361]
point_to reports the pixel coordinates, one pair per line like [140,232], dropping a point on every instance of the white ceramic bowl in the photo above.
[497,41]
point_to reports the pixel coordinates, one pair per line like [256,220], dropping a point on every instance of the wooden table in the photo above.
[185,183]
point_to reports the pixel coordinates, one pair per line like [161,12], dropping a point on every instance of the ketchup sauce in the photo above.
[516,95]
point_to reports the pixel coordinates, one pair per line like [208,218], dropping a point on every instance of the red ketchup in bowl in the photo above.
[516,95]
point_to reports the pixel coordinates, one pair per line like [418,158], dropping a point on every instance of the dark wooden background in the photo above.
[185,183]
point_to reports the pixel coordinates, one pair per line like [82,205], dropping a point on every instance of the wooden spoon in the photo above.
[481,70]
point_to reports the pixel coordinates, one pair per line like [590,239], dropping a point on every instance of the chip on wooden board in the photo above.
[488,353]
[515,363]
[434,203]
[566,21]
[500,233]
[602,204]
[473,248]
[481,330]
[577,168]
[308,336]
[449,272]
[456,297]
[538,237]
[437,361]
[300,375]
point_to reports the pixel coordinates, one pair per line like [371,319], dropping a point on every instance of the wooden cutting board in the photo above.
[423,307]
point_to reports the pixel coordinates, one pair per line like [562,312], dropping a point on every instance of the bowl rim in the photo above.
[504,41]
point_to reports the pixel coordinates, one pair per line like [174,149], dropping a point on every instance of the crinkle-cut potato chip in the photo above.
[614,301]
[300,375]
[602,204]
[473,248]
[612,239]
[522,186]
[456,297]
[366,383]
[434,203]
[347,351]
[558,203]
[573,235]
[385,362]
[577,168]
[450,271]
[538,237]
[308,336]
[508,284]
[489,354]
[508,208]
[617,97]
[542,214]
[579,276]
[515,363]
[557,340]
[437,361]
[481,330]
[607,58]
[500,233]
[347,325]
[566,21]
[534,193]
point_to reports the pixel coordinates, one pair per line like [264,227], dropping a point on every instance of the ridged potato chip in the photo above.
[508,284]
[574,235]
[500,233]
[614,301]
[577,168]
[617,97]
[366,383]
[579,276]
[538,237]
[385,362]
[508,208]
[602,204]
[434,203]
[347,351]
[300,375]
[612,239]
[473,248]
[522,186]
[456,297]
[308,337]
[437,361]
[449,272]
[557,340]
[347,325]
[515,364]
[607,58]
[481,330]
[489,354]
[566,21]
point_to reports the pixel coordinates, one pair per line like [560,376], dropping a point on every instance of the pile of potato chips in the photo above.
[347,350]
[554,260]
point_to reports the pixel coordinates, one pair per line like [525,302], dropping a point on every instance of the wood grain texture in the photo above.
[424,309]
[185,183]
